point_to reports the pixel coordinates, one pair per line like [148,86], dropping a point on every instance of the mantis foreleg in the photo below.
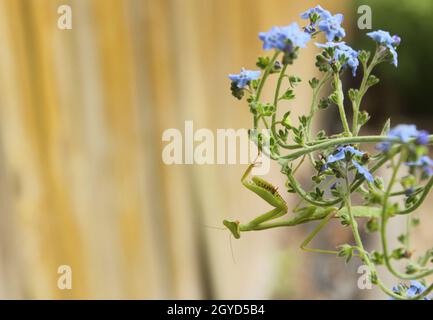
[267,192]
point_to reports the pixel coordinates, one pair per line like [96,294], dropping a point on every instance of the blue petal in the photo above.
[354,151]
[340,155]
[363,171]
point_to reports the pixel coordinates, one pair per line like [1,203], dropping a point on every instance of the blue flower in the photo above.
[332,27]
[343,51]
[296,35]
[425,163]
[315,15]
[363,171]
[413,290]
[273,39]
[244,77]
[322,13]
[284,38]
[396,40]
[383,38]
[341,155]
[403,133]
[422,138]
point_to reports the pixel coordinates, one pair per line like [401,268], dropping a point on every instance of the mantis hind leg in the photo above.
[314,233]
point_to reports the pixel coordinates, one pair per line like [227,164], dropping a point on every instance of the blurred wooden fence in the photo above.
[81,177]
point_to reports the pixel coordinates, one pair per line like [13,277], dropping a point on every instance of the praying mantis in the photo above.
[270,194]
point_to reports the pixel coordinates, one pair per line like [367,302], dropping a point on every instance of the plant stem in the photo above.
[340,104]
[340,141]
[362,90]
[313,107]
[262,82]
[384,220]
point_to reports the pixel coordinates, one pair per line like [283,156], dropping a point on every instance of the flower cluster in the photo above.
[345,182]
[348,153]
[323,20]
[285,38]
[388,42]
[244,77]
[415,288]
[340,52]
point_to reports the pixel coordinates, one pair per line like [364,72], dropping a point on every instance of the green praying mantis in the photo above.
[270,194]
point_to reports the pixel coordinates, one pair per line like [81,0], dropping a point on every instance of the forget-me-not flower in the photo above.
[332,28]
[244,77]
[414,289]
[322,13]
[341,155]
[403,133]
[284,38]
[425,163]
[314,15]
[384,39]
[342,50]
[422,137]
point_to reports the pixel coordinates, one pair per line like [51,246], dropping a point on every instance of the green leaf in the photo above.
[364,56]
[287,122]
[353,94]
[288,95]
[363,118]
[265,109]
[321,135]
[303,120]
[263,62]
[399,253]
[314,83]
[238,93]
[376,257]
[386,127]
[294,81]
[345,251]
[372,80]
[402,238]
[372,225]
[334,98]
[324,103]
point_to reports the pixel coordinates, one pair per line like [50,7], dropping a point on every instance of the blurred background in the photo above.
[82,182]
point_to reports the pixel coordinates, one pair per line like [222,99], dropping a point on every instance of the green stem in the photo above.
[352,220]
[262,82]
[384,220]
[340,104]
[362,253]
[362,90]
[340,141]
[421,199]
[313,107]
